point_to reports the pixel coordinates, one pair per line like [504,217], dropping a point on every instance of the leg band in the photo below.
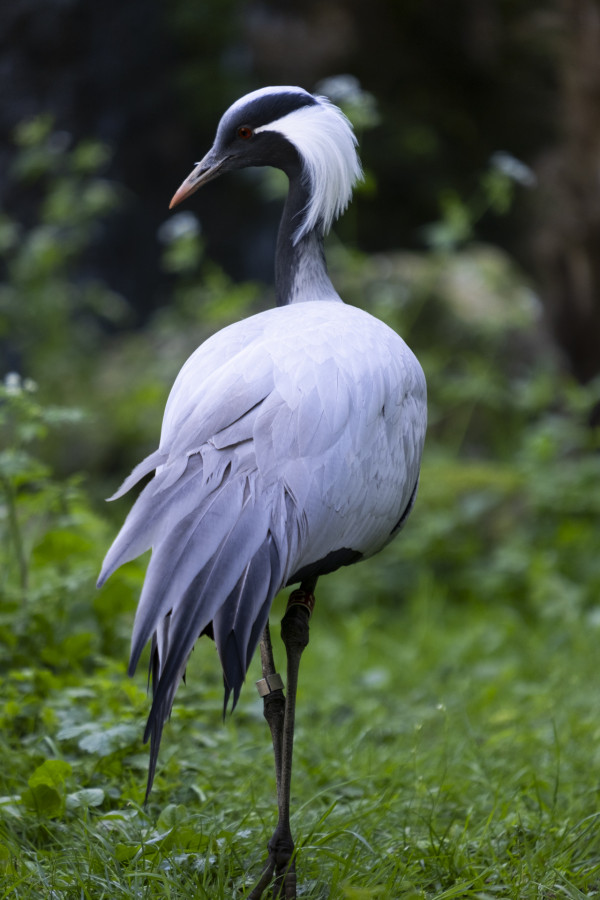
[302,598]
[268,685]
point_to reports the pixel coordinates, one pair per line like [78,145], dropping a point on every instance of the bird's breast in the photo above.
[320,401]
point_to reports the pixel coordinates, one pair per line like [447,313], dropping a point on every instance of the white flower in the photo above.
[12,384]
[513,168]
[178,226]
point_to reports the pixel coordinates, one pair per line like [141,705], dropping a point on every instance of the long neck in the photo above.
[300,269]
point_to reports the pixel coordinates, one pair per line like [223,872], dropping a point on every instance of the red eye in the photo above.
[244,132]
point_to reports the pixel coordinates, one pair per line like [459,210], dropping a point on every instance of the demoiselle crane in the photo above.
[290,446]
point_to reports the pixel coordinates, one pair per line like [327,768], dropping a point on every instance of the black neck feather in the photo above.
[300,268]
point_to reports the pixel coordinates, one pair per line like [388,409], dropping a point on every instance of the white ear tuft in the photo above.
[324,138]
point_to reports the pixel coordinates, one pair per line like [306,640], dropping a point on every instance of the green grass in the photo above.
[443,750]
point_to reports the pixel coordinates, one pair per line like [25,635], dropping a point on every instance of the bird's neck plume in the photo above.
[322,173]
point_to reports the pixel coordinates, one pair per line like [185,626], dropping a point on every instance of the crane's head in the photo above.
[290,129]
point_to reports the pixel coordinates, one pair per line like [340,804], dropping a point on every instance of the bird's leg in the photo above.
[294,633]
[270,688]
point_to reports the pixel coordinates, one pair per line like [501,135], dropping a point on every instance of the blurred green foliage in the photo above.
[51,544]
[51,318]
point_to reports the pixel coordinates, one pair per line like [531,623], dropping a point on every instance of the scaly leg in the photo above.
[294,633]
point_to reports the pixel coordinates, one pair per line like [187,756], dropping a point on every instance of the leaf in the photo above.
[124,853]
[85,798]
[71,732]
[105,741]
[171,816]
[52,773]
[46,794]
[9,806]
[44,800]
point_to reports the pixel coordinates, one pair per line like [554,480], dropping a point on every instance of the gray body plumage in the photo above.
[291,443]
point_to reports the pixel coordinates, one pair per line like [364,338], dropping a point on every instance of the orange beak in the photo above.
[207,169]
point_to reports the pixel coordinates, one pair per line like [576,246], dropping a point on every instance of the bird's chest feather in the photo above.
[321,401]
[342,431]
